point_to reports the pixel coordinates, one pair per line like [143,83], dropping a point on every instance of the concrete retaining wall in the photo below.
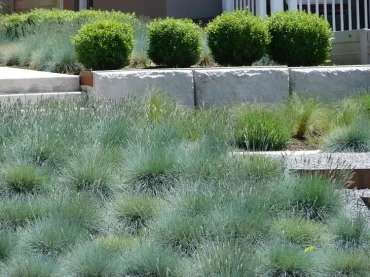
[217,86]
[117,84]
[330,83]
[231,85]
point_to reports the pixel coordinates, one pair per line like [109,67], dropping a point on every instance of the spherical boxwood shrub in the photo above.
[104,45]
[174,42]
[237,38]
[299,39]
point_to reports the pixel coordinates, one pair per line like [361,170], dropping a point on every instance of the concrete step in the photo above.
[35,97]
[14,80]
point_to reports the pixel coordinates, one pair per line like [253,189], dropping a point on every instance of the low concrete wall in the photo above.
[116,84]
[220,86]
[330,83]
[231,85]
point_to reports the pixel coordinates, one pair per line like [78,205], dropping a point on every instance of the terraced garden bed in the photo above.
[144,187]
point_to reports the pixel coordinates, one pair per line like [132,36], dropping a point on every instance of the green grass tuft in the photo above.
[284,259]
[262,129]
[23,179]
[135,211]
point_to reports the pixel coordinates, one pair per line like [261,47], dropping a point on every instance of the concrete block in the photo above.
[233,85]
[117,84]
[330,83]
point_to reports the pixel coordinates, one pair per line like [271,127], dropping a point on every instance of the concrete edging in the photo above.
[322,163]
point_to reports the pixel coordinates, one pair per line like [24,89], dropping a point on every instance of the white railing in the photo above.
[341,14]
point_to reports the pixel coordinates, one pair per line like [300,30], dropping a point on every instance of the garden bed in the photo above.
[144,187]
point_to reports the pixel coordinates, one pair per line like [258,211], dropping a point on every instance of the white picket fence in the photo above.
[342,14]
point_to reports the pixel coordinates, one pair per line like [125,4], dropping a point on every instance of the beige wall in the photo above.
[151,8]
[195,9]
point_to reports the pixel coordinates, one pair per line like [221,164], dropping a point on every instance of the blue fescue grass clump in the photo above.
[145,187]
[352,138]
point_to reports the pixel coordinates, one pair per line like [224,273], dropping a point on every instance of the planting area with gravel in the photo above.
[144,187]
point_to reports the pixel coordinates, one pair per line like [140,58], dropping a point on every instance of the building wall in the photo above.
[68,4]
[26,5]
[151,8]
[195,9]
[4,6]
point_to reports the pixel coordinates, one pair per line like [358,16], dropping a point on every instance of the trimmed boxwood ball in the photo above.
[299,39]
[104,45]
[174,42]
[237,38]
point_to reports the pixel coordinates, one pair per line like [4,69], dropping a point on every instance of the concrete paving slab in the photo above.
[14,80]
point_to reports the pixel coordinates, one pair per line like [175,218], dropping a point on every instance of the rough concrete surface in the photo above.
[117,84]
[330,83]
[231,85]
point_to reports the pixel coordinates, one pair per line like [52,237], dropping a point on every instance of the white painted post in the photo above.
[349,15]
[293,5]
[325,10]
[366,14]
[333,14]
[317,8]
[228,5]
[83,5]
[308,6]
[358,14]
[277,5]
[341,16]
[300,5]
[261,7]
[60,4]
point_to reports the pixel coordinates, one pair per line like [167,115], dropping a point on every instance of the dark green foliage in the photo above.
[237,38]
[174,42]
[299,39]
[104,45]
[262,129]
